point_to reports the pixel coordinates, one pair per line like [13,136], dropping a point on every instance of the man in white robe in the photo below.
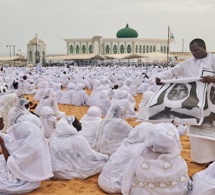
[202,150]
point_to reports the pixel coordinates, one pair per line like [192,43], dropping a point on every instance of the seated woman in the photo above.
[8,101]
[157,166]
[18,174]
[68,94]
[49,99]
[204,181]
[48,120]
[147,162]
[90,123]
[112,131]
[71,155]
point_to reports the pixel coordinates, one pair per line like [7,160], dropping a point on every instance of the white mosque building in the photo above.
[127,42]
[36,51]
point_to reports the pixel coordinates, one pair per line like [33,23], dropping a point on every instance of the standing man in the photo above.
[202,150]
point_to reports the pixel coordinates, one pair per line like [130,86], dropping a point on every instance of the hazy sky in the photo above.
[54,20]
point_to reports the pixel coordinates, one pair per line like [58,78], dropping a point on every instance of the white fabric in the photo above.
[71,155]
[112,131]
[157,167]
[29,160]
[192,68]
[48,120]
[18,111]
[49,99]
[90,123]
[143,106]
[68,94]
[204,181]
[9,101]
[110,179]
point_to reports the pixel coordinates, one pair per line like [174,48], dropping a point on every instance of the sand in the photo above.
[89,186]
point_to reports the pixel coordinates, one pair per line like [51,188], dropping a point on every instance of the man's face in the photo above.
[178,92]
[212,95]
[198,51]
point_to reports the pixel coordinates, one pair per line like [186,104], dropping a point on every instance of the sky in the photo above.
[55,20]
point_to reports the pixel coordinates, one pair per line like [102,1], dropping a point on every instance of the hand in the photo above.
[207,79]
[158,81]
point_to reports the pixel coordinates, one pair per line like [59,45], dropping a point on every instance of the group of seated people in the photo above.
[44,143]
[130,160]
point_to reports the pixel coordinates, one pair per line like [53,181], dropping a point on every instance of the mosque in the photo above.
[36,51]
[127,42]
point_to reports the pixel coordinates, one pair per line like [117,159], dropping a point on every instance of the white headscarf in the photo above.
[48,120]
[29,158]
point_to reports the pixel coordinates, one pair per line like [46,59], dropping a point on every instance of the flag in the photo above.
[171,36]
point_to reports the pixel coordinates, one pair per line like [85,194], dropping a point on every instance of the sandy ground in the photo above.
[90,186]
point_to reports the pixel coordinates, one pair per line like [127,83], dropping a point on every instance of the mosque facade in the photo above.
[127,42]
[36,51]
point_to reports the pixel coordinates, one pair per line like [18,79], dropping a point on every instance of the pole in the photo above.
[168,47]
[36,50]
[182,45]
[14,53]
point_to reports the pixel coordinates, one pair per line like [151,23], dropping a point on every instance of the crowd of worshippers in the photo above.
[40,142]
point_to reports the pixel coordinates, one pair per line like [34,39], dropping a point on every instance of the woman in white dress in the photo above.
[25,161]
[90,123]
[71,155]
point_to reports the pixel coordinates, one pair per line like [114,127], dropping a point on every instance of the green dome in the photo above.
[127,33]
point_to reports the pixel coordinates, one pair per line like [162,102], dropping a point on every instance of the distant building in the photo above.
[36,51]
[127,41]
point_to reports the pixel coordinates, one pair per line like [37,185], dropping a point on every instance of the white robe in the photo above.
[192,68]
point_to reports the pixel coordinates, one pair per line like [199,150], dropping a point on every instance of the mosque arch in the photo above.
[44,56]
[164,49]
[144,49]
[107,49]
[115,49]
[147,49]
[30,56]
[77,49]
[71,49]
[83,49]
[90,49]
[140,49]
[128,49]
[161,49]
[122,49]
[136,48]
[154,48]
[37,56]
[150,48]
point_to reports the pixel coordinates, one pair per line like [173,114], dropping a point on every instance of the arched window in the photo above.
[164,49]
[140,49]
[150,48]
[83,49]
[161,49]
[77,49]
[71,49]
[128,49]
[107,49]
[37,56]
[44,57]
[154,49]
[136,48]
[144,49]
[30,56]
[90,49]
[147,49]
[115,49]
[122,49]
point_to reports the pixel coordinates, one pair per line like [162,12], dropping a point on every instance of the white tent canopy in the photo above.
[14,58]
[122,56]
[77,57]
